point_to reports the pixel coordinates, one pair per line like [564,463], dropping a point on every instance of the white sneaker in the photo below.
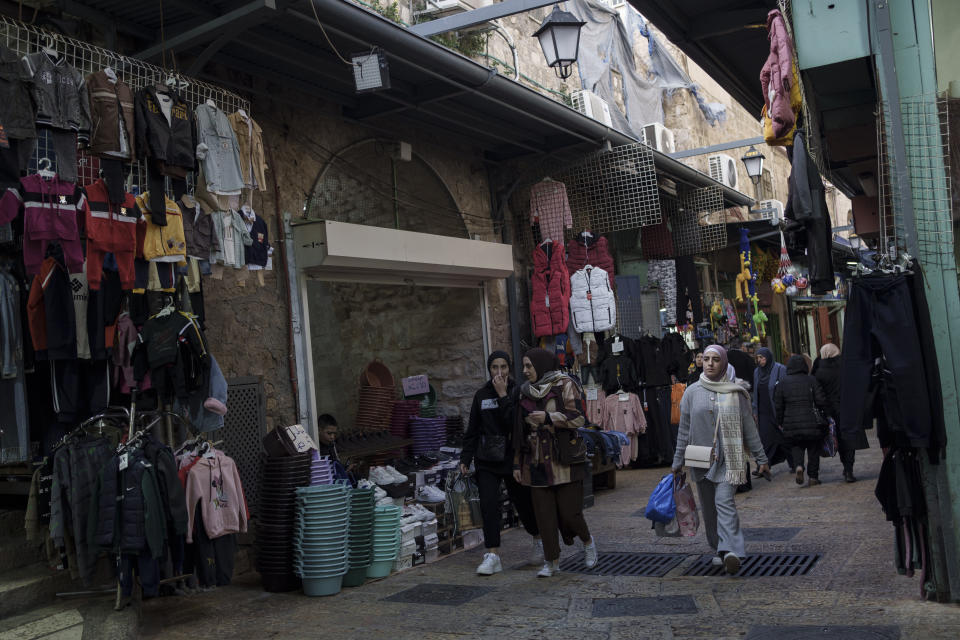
[385,501]
[378,493]
[429,493]
[365,484]
[380,476]
[549,568]
[490,565]
[423,514]
[731,562]
[590,554]
[716,561]
[398,477]
[536,557]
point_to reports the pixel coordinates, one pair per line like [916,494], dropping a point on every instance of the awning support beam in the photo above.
[477,16]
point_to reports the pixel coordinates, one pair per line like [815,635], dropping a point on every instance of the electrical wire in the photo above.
[329,42]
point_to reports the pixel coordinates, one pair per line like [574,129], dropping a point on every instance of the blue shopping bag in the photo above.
[661,507]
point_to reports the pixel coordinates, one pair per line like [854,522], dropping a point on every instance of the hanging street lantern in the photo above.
[753,161]
[559,37]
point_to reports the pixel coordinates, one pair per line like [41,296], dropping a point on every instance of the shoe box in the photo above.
[472,538]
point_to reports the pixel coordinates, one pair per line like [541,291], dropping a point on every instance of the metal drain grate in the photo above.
[649,565]
[760,565]
[450,595]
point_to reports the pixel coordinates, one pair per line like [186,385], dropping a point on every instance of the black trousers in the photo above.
[488,485]
[147,568]
[880,321]
[812,449]
[212,560]
[848,455]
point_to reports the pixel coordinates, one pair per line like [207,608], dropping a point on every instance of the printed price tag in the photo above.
[623,397]
[592,394]
[124,461]
[616,347]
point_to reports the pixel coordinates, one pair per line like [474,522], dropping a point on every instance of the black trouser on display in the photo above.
[812,449]
[211,559]
[148,569]
[488,484]
[65,147]
[880,321]
[559,509]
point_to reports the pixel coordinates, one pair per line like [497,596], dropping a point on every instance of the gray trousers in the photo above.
[720,517]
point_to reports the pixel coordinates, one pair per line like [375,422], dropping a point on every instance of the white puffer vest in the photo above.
[592,305]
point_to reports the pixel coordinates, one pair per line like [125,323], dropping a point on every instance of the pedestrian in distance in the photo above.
[549,407]
[488,445]
[797,398]
[768,374]
[694,375]
[828,375]
[716,413]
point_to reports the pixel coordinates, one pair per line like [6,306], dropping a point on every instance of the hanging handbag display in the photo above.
[570,447]
[493,448]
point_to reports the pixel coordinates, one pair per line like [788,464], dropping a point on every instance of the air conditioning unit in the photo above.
[593,106]
[771,210]
[723,169]
[659,137]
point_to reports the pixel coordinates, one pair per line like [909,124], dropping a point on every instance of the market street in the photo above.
[853,583]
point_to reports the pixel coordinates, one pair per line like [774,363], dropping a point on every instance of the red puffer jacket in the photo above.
[590,249]
[549,291]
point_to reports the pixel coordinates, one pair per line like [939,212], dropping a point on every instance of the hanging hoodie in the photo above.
[214,482]
[110,228]
[161,243]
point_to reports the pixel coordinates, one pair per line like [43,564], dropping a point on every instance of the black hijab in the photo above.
[767,369]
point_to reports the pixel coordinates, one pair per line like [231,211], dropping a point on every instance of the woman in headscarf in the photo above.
[828,375]
[550,407]
[766,377]
[488,444]
[697,368]
[795,399]
[715,412]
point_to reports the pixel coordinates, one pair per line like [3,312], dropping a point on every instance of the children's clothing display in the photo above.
[591,249]
[250,143]
[550,210]
[218,151]
[623,412]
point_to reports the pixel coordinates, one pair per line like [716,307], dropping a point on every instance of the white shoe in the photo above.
[385,501]
[716,561]
[731,562]
[365,484]
[490,565]
[378,493]
[549,568]
[380,476]
[423,514]
[590,554]
[537,556]
[429,493]
[398,477]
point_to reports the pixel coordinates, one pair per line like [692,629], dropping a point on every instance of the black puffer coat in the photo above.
[794,399]
[828,375]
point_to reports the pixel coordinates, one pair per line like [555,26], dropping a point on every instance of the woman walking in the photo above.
[828,375]
[766,377]
[550,407]
[715,412]
[796,398]
[488,442]
[694,375]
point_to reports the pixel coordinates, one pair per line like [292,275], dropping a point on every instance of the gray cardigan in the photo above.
[698,423]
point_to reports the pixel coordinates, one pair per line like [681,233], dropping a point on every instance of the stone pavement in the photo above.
[852,592]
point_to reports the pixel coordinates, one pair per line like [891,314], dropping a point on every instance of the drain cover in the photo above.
[770,534]
[659,606]
[760,565]
[651,565]
[441,594]
[824,633]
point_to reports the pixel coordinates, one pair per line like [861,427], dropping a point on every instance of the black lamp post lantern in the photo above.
[753,161]
[559,37]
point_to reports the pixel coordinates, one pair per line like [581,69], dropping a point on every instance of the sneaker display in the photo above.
[380,476]
[549,568]
[590,555]
[429,493]
[490,565]
[423,514]
[378,493]
[536,556]
[397,476]
[731,563]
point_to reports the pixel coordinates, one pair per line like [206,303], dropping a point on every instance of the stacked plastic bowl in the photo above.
[386,541]
[321,471]
[429,434]
[360,537]
[320,537]
[279,479]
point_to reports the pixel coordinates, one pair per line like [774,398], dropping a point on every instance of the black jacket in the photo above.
[618,372]
[18,111]
[807,204]
[490,415]
[794,400]
[171,144]
[827,374]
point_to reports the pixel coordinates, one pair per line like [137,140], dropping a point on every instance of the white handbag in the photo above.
[698,456]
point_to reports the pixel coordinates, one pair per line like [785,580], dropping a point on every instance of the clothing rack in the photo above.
[25,39]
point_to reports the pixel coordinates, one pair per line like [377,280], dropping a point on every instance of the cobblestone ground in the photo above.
[854,584]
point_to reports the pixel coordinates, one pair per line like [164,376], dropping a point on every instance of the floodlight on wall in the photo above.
[559,37]
[370,71]
[753,161]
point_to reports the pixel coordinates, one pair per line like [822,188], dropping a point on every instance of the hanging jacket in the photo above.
[256,252]
[112,117]
[586,249]
[675,354]
[776,77]
[126,512]
[652,362]
[18,111]
[549,291]
[807,203]
[60,94]
[623,412]
[618,373]
[250,143]
[218,152]
[172,496]
[110,228]
[215,483]
[232,236]
[794,400]
[592,305]
[201,418]
[127,337]
[170,142]
[198,229]
[550,208]
[161,243]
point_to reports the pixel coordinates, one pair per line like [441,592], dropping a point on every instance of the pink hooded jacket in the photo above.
[777,75]
[215,482]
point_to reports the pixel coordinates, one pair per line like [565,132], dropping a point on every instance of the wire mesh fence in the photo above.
[24,39]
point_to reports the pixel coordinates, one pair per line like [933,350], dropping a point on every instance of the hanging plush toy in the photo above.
[716,315]
[746,285]
[778,286]
[802,283]
[759,320]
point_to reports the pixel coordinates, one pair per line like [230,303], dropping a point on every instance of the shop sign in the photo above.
[415,385]
[300,438]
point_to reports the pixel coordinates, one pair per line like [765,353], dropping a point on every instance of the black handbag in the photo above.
[570,447]
[492,448]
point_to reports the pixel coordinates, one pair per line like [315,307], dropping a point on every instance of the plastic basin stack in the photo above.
[321,470]
[360,537]
[320,537]
[386,541]
[280,476]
